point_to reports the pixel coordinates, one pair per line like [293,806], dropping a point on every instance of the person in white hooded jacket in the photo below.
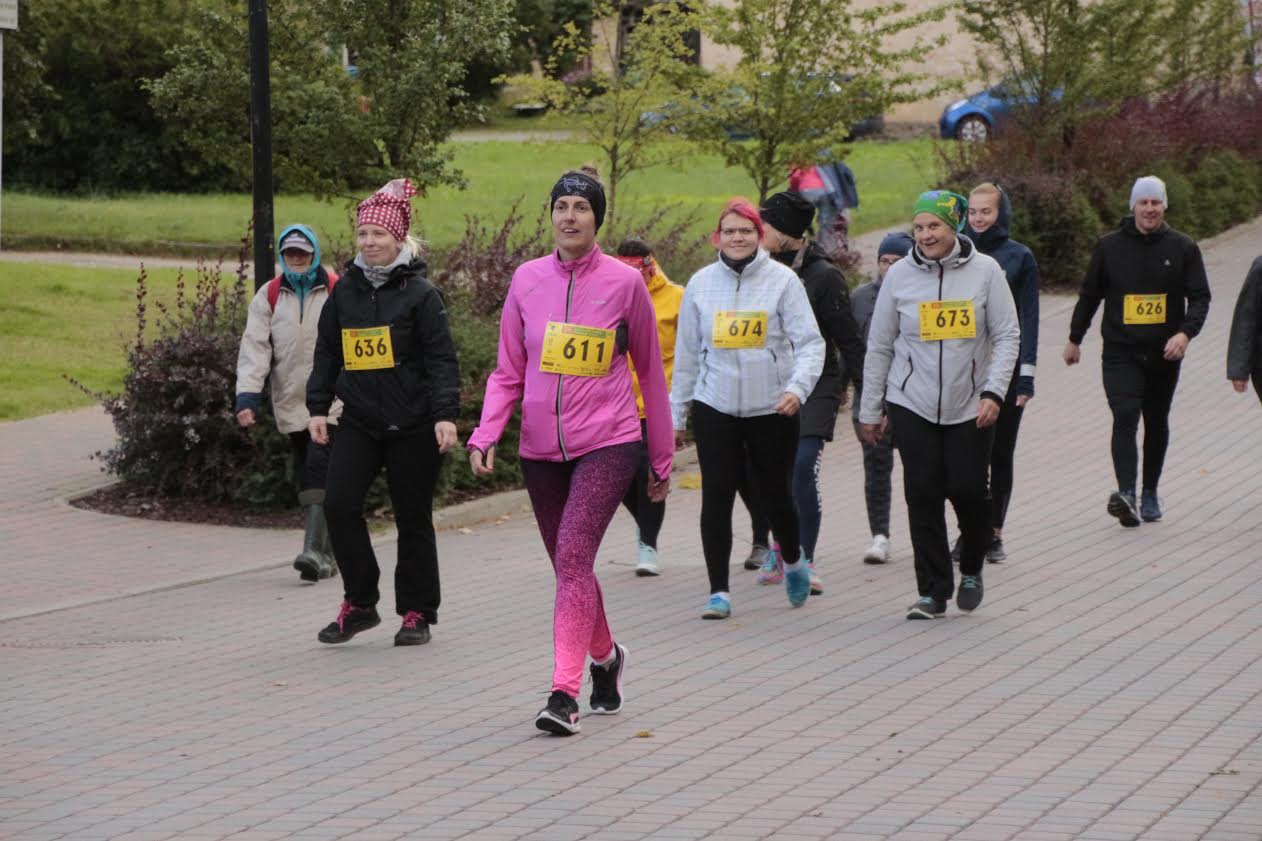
[747,355]
[942,345]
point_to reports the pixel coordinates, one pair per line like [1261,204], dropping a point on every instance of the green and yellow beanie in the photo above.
[951,208]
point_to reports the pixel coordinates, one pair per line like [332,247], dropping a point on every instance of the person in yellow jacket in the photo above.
[666,297]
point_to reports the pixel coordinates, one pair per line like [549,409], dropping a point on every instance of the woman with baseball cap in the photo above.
[570,321]
[385,350]
[942,345]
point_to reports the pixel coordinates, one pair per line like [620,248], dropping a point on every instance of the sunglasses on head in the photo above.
[637,262]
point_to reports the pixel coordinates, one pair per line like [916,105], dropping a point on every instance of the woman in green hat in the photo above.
[942,345]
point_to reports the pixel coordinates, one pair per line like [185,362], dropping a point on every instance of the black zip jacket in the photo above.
[422,388]
[1244,345]
[1127,262]
[830,301]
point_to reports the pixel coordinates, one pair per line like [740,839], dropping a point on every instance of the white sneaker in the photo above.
[879,551]
[648,561]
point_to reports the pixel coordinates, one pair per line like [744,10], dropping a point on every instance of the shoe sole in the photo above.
[550,724]
[622,652]
[400,642]
[753,565]
[817,591]
[349,636]
[1156,519]
[307,570]
[647,572]
[1124,513]
[771,581]
[714,615]
[874,559]
[920,614]
[963,609]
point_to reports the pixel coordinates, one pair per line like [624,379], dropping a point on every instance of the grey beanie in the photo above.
[1148,187]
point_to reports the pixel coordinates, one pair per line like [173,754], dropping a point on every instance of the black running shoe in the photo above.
[413,631]
[927,607]
[560,717]
[1122,505]
[995,554]
[1150,507]
[607,684]
[969,595]
[349,622]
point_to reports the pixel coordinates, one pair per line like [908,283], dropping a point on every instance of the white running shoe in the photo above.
[648,562]
[879,551]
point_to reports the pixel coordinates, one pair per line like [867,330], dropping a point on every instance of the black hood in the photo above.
[1129,228]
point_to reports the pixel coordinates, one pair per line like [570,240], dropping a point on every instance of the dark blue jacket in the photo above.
[1022,271]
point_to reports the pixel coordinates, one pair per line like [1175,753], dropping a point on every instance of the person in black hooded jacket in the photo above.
[1151,279]
[989,214]
[1244,346]
[787,216]
[385,349]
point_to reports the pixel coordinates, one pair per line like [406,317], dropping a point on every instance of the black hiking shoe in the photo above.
[607,684]
[414,631]
[560,717]
[1122,505]
[349,622]
[969,595]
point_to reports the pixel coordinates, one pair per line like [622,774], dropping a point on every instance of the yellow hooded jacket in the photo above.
[666,297]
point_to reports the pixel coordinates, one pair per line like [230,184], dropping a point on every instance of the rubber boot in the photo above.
[328,563]
[309,561]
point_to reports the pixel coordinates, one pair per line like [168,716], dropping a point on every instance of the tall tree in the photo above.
[808,71]
[637,80]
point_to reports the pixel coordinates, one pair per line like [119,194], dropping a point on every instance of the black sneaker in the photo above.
[414,631]
[927,607]
[969,595]
[995,554]
[560,717]
[349,622]
[1150,507]
[607,684]
[1122,505]
[757,554]
[957,549]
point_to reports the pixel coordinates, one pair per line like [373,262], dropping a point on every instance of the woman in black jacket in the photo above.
[1244,346]
[384,348]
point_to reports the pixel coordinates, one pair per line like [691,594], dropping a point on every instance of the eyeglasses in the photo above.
[738,232]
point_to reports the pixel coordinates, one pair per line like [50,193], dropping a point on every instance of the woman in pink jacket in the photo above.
[569,321]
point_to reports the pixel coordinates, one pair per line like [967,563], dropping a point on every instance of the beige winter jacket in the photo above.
[282,343]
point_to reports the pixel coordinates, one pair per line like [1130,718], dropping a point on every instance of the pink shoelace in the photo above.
[342,613]
[411,619]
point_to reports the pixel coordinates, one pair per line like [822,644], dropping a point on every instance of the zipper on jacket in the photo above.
[941,357]
[911,369]
[569,297]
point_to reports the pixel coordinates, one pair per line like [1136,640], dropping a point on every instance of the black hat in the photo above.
[789,213]
[582,184]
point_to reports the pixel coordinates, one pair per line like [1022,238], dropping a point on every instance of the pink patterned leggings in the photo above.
[574,502]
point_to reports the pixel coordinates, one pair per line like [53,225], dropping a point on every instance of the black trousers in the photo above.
[1139,382]
[311,460]
[1003,458]
[723,444]
[412,463]
[647,513]
[942,463]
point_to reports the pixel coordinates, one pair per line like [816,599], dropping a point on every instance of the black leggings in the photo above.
[412,463]
[1139,382]
[311,460]
[943,463]
[723,444]
[647,513]
[806,497]
[1002,458]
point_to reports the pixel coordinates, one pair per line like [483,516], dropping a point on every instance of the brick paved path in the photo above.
[1107,689]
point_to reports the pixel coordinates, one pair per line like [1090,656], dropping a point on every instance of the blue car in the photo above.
[977,118]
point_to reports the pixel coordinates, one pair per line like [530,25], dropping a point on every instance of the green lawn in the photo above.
[63,320]
[889,174]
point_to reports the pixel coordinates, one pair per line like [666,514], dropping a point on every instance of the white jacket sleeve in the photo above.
[254,358]
[1004,328]
[803,332]
[882,331]
[687,356]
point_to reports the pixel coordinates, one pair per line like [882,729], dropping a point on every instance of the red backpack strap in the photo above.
[332,280]
[273,292]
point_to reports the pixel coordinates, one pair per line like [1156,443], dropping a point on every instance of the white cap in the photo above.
[1149,187]
[300,243]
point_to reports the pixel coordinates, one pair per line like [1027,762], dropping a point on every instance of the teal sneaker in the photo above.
[772,569]
[719,607]
[797,582]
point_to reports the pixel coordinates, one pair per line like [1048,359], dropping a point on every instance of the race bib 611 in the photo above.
[577,350]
